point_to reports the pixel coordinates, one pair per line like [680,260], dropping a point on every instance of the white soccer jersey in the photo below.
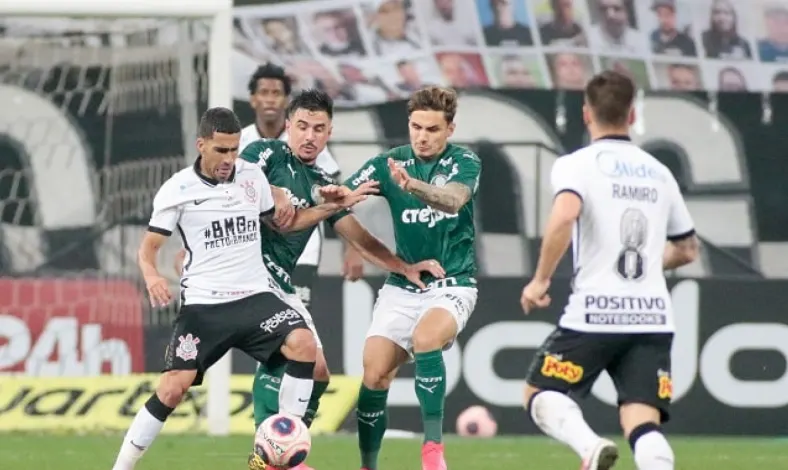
[631,206]
[219,225]
[311,254]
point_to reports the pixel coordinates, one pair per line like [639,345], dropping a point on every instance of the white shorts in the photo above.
[294,301]
[397,311]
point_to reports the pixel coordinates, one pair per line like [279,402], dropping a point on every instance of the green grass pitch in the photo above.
[189,452]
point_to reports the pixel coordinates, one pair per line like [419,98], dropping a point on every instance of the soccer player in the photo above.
[429,185]
[228,299]
[617,205]
[269,92]
[291,165]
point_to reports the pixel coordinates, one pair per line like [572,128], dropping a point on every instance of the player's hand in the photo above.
[535,295]
[413,271]
[333,192]
[398,174]
[158,291]
[180,257]
[284,211]
[353,267]
[354,197]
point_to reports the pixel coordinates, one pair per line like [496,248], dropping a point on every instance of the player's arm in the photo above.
[569,189]
[683,246]
[451,197]
[162,222]
[377,253]
[353,262]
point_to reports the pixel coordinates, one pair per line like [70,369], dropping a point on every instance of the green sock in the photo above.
[431,392]
[371,417]
[265,392]
[318,389]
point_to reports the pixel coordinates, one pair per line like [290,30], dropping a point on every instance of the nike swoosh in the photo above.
[300,400]
[142,448]
[291,323]
[199,201]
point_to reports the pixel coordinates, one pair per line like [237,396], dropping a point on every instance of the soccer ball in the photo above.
[282,441]
[476,421]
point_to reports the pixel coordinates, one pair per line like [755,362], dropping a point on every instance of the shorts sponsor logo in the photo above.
[567,371]
[187,347]
[665,385]
[625,319]
[291,316]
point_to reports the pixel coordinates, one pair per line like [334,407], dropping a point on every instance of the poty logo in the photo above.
[563,370]
[428,216]
[289,315]
[364,176]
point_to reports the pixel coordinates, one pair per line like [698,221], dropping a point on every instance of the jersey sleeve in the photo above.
[680,224]
[469,169]
[375,169]
[266,196]
[265,153]
[326,161]
[166,209]
[567,175]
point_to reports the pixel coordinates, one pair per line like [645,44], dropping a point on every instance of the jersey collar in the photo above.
[620,137]
[208,180]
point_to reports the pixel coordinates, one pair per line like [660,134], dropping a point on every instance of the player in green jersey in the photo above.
[429,186]
[290,168]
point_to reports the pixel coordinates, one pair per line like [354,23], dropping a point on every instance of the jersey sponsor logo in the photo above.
[612,165]
[664,385]
[265,154]
[296,201]
[363,176]
[187,347]
[231,231]
[626,302]
[290,316]
[250,192]
[625,319]
[427,215]
[554,367]
[276,270]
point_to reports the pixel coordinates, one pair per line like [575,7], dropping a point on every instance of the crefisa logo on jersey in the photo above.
[250,192]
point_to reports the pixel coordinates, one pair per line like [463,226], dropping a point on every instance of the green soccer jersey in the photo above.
[420,231]
[301,182]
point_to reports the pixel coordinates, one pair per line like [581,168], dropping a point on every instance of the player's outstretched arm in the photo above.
[449,198]
[377,253]
[558,233]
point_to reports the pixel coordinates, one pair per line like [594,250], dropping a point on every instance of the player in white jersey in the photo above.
[617,205]
[269,93]
[228,298]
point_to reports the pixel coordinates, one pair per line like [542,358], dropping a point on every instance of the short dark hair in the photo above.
[434,98]
[780,76]
[311,100]
[610,95]
[272,72]
[221,120]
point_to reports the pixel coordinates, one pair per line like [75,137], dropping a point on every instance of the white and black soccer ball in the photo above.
[282,441]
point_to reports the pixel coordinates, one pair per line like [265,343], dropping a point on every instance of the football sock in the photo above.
[371,417]
[265,392]
[652,451]
[559,417]
[318,390]
[296,388]
[143,430]
[431,391]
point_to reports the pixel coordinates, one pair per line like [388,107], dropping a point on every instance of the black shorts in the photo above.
[257,325]
[303,279]
[570,361]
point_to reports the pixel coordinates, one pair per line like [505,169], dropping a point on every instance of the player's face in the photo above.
[269,100]
[308,133]
[429,132]
[218,154]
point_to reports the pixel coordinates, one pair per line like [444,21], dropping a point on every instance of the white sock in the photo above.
[294,395]
[559,417]
[653,452]
[139,437]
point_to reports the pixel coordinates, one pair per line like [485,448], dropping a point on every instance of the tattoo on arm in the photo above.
[449,198]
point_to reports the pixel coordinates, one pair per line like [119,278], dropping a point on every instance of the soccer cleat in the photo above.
[432,457]
[255,462]
[604,456]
